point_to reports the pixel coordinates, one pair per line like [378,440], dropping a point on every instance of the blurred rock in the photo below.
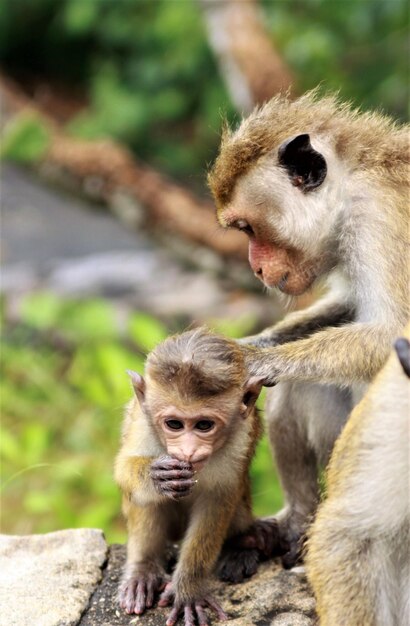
[47,580]
[273,597]
[53,580]
[52,240]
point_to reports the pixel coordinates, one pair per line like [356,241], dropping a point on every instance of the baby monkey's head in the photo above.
[196,388]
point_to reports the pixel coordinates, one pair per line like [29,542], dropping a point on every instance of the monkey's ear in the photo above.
[250,394]
[402,347]
[306,167]
[138,383]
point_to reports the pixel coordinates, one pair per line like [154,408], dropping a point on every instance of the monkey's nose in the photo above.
[259,273]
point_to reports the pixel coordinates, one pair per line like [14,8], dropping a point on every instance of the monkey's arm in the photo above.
[350,354]
[132,474]
[199,552]
[301,324]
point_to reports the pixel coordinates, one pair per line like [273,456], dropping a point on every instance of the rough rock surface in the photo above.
[47,580]
[273,597]
[65,579]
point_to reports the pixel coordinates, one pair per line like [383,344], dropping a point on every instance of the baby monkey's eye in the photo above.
[174,424]
[204,425]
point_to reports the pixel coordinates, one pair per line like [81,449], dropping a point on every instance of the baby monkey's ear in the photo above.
[138,384]
[251,392]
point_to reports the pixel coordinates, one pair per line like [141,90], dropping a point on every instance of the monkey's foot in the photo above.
[137,592]
[193,612]
[235,564]
[294,553]
[263,536]
[273,538]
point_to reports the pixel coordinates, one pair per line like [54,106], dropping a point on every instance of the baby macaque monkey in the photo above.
[187,442]
[358,549]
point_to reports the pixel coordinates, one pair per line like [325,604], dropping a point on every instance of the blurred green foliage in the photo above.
[151,80]
[25,139]
[358,47]
[63,388]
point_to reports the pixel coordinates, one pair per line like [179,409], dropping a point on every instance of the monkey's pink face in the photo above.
[275,265]
[279,267]
[189,437]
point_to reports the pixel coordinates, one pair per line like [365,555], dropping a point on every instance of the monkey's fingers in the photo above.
[141,598]
[177,489]
[213,604]
[189,615]
[262,535]
[127,597]
[167,595]
[170,463]
[201,615]
[236,565]
[173,617]
[178,474]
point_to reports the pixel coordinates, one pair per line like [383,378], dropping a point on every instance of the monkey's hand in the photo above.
[193,611]
[138,589]
[265,339]
[172,478]
[262,362]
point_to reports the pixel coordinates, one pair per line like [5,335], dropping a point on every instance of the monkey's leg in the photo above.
[201,546]
[144,573]
[343,572]
[304,421]
[238,561]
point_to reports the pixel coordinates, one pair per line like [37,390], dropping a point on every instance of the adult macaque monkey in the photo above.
[187,443]
[322,191]
[358,558]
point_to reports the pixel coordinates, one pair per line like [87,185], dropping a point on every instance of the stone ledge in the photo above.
[70,578]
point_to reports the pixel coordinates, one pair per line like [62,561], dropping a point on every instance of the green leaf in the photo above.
[26,139]
[234,328]
[41,310]
[89,319]
[79,16]
[146,331]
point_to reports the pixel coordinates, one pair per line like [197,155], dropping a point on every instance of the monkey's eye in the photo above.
[174,424]
[243,226]
[204,425]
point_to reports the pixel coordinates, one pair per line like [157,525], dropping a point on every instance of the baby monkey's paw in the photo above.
[172,478]
[137,591]
[193,612]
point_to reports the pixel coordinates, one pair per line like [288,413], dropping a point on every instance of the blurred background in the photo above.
[111,113]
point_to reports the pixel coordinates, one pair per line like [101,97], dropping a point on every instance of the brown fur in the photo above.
[358,550]
[366,140]
[198,362]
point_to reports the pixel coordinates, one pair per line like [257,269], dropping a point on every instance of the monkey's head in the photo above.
[278,180]
[195,390]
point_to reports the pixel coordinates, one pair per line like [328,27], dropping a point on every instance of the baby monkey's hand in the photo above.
[172,478]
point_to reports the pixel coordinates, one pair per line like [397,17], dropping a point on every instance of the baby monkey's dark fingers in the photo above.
[170,463]
[161,474]
[178,485]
